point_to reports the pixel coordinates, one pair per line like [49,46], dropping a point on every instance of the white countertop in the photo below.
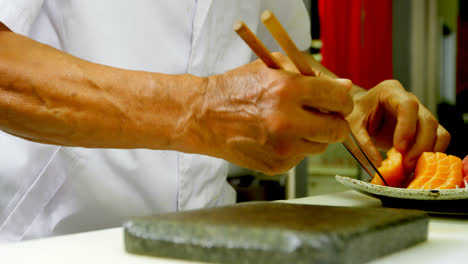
[447,243]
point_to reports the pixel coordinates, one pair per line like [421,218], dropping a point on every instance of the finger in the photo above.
[426,136]
[405,129]
[443,139]
[326,95]
[405,107]
[368,146]
[322,127]
[306,147]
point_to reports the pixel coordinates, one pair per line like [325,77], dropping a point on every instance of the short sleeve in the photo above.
[19,15]
[294,17]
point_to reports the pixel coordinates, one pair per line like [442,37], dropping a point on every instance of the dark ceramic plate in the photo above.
[453,201]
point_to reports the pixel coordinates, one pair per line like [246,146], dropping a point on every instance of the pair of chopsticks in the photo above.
[282,37]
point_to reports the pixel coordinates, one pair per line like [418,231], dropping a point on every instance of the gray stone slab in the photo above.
[268,232]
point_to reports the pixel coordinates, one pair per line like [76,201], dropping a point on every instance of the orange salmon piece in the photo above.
[437,171]
[426,163]
[391,170]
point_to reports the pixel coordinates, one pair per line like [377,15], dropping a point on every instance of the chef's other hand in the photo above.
[269,120]
[391,116]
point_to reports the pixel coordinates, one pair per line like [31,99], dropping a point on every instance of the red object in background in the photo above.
[465,172]
[357,39]
[462,54]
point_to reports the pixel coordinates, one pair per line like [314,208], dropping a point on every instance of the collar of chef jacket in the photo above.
[36,211]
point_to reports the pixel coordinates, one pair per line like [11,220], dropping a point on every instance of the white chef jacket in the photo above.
[49,190]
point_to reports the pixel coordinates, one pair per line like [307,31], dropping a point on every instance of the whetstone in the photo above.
[273,232]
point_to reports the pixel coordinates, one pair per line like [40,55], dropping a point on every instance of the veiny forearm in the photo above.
[49,96]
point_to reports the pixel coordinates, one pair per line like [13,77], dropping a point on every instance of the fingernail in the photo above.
[347,82]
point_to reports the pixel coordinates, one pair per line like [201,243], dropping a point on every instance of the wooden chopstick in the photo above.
[255,45]
[283,39]
[279,33]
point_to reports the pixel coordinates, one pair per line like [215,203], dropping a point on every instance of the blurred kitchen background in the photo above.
[421,43]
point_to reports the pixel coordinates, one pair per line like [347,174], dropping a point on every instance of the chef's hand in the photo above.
[268,120]
[387,115]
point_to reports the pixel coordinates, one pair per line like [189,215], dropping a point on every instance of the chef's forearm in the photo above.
[49,96]
[317,65]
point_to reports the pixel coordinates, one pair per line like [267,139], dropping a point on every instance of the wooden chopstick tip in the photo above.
[266,15]
[238,25]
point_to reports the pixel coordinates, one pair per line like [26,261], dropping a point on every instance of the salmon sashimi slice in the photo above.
[437,171]
[391,170]
[426,162]
[465,182]
[465,166]
[465,172]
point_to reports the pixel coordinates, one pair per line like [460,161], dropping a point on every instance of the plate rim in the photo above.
[402,193]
